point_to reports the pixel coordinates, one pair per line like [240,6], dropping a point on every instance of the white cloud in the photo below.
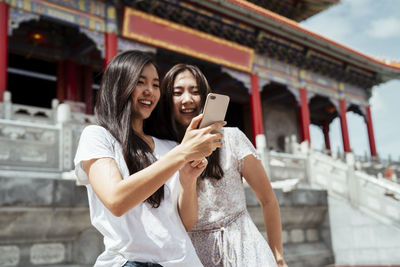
[376,102]
[385,28]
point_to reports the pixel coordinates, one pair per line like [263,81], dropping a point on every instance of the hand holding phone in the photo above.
[214,109]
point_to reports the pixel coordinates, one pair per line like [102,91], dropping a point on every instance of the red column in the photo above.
[343,124]
[111,47]
[3,48]
[60,81]
[256,108]
[87,88]
[304,116]
[371,136]
[71,81]
[325,130]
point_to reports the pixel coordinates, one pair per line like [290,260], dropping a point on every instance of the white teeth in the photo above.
[189,110]
[145,102]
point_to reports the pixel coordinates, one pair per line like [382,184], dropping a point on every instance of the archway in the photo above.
[38,49]
[280,113]
[322,112]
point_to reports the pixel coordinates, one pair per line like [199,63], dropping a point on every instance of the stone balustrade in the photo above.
[38,142]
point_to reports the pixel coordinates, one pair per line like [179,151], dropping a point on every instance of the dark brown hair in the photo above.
[162,123]
[113,111]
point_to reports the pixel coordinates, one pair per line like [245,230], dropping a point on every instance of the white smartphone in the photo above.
[214,109]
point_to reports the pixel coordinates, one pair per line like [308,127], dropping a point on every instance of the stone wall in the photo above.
[46,222]
[305,226]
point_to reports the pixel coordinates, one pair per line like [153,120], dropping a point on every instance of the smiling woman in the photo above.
[186,97]
[224,234]
[137,199]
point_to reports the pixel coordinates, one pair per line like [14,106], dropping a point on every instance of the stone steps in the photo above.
[305,226]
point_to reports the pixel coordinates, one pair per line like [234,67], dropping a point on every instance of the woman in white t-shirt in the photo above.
[137,199]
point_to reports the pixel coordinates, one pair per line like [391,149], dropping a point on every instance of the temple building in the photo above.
[280,77]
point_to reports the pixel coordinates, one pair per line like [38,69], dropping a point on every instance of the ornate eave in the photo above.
[290,30]
[296,10]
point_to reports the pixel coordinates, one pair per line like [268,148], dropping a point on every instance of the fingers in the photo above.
[199,163]
[195,163]
[195,122]
[203,164]
[215,126]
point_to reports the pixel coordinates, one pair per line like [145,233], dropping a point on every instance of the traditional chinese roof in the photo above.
[273,36]
[296,10]
[292,31]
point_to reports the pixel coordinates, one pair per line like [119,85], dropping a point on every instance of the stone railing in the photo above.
[287,166]
[379,197]
[16,112]
[29,146]
[37,141]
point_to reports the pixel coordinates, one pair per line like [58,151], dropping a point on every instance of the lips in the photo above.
[188,110]
[145,102]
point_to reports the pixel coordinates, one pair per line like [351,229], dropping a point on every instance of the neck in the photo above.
[137,125]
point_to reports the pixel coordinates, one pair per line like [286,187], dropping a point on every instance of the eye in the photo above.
[156,85]
[195,91]
[177,93]
[140,82]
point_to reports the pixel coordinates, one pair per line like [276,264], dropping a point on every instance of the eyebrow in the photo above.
[143,77]
[180,87]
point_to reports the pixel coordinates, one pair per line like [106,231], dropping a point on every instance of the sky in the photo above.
[372,27]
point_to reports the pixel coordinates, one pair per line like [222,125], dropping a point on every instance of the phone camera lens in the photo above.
[212,97]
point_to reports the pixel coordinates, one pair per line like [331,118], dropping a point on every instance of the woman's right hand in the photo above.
[200,143]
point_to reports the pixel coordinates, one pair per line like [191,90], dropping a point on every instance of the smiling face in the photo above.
[186,98]
[146,94]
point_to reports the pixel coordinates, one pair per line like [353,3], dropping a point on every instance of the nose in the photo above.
[148,89]
[187,98]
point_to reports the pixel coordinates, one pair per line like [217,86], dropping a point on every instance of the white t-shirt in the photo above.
[143,233]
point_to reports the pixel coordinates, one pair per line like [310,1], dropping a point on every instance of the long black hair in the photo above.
[162,123]
[113,111]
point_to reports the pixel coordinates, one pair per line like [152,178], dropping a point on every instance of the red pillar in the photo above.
[304,116]
[71,84]
[343,124]
[256,108]
[111,47]
[3,47]
[60,81]
[325,130]
[87,88]
[370,128]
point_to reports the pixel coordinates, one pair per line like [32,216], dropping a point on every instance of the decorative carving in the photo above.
[124,45]
[96,37]
[238,75]
[17,16]
[31,154]
[67,11]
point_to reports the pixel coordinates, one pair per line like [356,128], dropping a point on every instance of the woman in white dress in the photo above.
[224,234]
[137,200]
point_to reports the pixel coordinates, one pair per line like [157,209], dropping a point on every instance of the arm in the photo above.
[255,175]
[120,195]
[187,203]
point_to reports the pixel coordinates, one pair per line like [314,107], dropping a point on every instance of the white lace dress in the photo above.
[225,235]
